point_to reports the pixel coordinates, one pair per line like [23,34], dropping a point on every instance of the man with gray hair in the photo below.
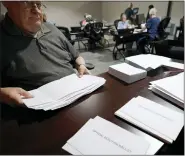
[33,52]
[123,24]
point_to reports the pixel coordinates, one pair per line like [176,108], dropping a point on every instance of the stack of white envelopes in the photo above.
[153,117]
[171,88]
[149,62]
[101,137]
[127,73]
[63,92]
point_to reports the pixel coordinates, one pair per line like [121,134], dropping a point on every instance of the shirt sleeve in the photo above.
[148,23]
[74,54]
[65,43]
[68,46]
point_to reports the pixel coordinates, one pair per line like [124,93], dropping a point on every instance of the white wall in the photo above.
[3,9]
[71,13]
[112,10]
[177,11]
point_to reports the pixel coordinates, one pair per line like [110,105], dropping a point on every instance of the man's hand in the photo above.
[13,95]
[82,70]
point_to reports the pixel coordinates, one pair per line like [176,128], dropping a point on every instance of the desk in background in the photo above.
[25,131]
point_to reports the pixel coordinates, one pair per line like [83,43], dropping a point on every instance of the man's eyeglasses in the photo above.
[31,4]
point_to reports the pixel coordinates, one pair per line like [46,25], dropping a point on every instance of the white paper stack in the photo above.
[63,92]
[101,137]
[153,117]
[139,30]
[127,73]
[149,61]
[171,88]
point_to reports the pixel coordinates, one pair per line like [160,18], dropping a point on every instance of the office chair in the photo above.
[179,32]
[66,33]
[170,48]
[116,23]
[94,31]
[162,35]
[121,37]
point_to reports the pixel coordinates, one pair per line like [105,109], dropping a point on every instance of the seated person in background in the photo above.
[123,24]
[152,29]
[34,53]
[86,20]
[149,7]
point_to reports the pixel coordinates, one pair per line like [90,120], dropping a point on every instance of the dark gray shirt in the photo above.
[30,62]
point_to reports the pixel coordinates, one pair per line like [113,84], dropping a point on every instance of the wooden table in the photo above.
[26,131]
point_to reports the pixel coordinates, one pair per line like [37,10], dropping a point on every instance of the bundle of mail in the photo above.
[101,137]
[153,117]
[135,67]
[170,88]
[149,61]
[63,92]
[127,73]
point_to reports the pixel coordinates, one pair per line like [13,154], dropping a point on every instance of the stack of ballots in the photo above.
[63,92]
[153,117]
[171,88]
[101,137]
[127,73]
[149,62]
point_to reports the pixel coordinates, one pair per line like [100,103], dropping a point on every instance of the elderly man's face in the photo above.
[26,14]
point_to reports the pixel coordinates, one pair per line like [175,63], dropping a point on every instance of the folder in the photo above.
[101,137]
[171,88]
[152,117]
[150,62]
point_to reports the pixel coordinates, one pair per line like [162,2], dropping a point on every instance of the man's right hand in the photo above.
[13,95]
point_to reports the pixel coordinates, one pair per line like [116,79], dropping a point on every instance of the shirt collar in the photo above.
[12,29]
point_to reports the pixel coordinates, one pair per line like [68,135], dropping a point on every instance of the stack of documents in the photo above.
[127,73]
[171,88]
[101,137]
[149,61]
[139,30]
[153,117]
[63,92]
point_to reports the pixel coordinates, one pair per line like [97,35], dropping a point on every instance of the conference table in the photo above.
[27,131]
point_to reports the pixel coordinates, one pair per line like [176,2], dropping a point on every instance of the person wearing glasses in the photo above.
[33,52]
[123,24]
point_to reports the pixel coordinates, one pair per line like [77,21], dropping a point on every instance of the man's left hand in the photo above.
[82,70]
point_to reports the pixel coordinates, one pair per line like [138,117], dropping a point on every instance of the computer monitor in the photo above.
[140,18]
[135,10]
[75,29]
[125,32]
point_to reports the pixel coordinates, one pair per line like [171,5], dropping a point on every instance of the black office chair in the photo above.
[121,37]
[94,31]
[162,35]
[66,33]
[116,23]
